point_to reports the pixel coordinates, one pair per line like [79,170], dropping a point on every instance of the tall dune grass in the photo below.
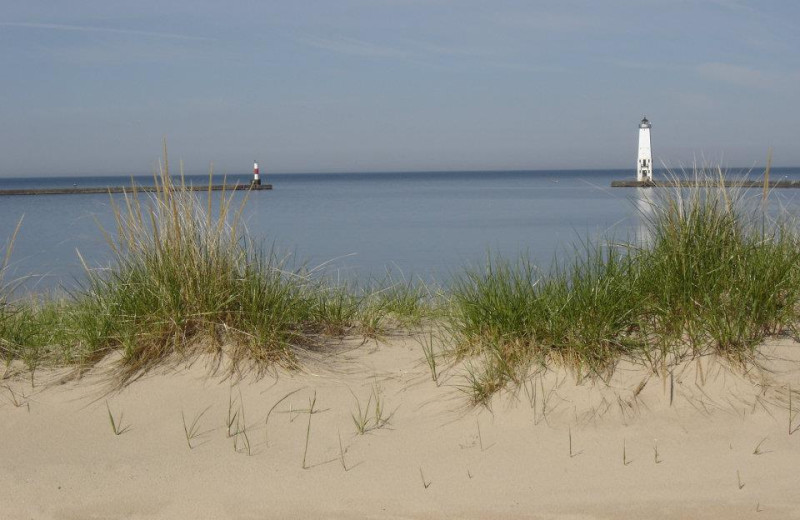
[186,278]
[183,279]
[715,275]
[10,321]
[32,329]
[721,274]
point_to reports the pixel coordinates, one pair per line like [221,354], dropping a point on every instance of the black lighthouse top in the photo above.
[645,123]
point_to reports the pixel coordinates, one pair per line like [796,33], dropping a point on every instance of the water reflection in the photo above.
[645,209]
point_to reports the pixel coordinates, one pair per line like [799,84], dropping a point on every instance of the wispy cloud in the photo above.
[549,21]
[734,5]
[94,29]
[453,50]
[140,51]
[642,65]
[735,74]
[699,102]
[427,54]
[354,47]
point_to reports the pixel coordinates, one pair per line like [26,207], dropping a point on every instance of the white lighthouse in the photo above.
[644,163]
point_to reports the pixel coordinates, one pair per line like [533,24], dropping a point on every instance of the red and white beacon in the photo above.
[256,177]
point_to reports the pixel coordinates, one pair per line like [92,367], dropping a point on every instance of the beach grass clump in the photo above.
[389,304]
[33,328]
[7,315]
[371,309]
[337,307]
[512,316]
[408,302]
[183,278]
[186,279]
[16,333]
[714,274]
[38,331]
[720,273]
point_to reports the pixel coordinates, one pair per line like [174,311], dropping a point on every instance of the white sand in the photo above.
[59,457]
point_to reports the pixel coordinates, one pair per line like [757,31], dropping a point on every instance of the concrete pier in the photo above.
[137,189]
[690,183]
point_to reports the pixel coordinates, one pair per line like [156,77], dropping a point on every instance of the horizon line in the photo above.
[740,169]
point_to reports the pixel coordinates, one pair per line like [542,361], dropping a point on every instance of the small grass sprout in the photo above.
[572,453]
[311,404]
[341,451]
[192,430]
[241,442]
[792,428]
[361,417]
[430,356]
[373,416]
[236,424]
[425,483]
[266,420]
[757,450]
[625,460]
[480,437]
[656,458]
[15,398]
[234,408]
[535,396]
[116,423]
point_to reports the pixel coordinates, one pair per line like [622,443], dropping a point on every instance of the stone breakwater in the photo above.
[132,189]
[689,183]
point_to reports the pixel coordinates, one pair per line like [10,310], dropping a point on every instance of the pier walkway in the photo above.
[133,189]
[690,183]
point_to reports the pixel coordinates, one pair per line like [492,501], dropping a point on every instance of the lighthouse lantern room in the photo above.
[644,162]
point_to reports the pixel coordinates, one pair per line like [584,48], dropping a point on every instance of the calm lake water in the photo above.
[426,225]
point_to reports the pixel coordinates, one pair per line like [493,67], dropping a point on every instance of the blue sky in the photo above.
[91,87]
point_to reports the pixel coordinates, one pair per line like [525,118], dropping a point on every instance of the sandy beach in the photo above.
[556,448]
[400,259]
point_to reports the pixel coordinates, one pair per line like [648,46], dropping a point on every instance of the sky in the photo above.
[93,87]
